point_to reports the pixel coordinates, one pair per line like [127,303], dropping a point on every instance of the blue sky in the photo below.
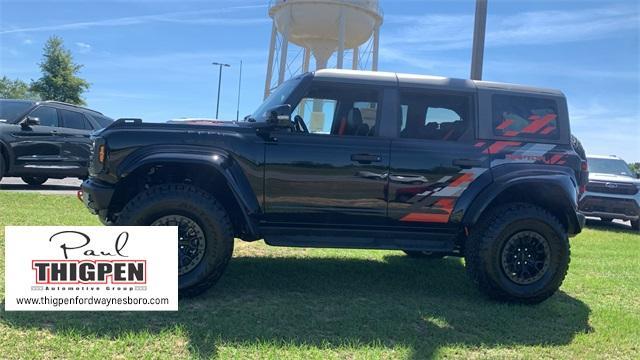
[151,59]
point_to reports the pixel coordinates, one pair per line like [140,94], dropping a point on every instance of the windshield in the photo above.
[609,166]
[11,110]
[278,97]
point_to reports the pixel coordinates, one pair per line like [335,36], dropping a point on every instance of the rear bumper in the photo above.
[97,195]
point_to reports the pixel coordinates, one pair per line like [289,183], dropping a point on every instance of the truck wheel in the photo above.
[423,254]
[34,180]
[519,252]
[635,225]
[204,228]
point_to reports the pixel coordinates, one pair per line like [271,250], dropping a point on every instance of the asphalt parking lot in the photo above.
[69,186]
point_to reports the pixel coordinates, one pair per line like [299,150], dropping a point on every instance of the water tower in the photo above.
[322,28]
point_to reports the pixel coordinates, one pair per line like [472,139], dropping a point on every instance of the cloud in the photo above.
[183,17]
[83,47]
[437,32]
[27,41]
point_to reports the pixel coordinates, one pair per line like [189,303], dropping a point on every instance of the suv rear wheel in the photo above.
[519,252]
[34,180]
[204,229]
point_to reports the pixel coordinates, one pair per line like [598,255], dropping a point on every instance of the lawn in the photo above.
[318,304]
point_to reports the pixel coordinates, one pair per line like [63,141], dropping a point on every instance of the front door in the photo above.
[332,168]
[37,147]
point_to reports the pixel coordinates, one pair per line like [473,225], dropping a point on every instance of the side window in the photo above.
[73,120]
[525,117]
[431,116]
[48,116]
[341,112]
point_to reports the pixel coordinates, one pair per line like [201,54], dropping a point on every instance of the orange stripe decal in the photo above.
[423,217]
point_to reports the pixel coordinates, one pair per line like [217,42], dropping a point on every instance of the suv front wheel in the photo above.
[205,242]
[518,252]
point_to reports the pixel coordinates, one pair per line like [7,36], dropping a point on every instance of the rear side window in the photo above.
[103,121]
[74,120]
[525,117]
[431,116]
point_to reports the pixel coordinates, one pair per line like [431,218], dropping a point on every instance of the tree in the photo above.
[16,89]
[59,79]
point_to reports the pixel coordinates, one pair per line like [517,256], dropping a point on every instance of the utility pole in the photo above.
[219,84]
[479,30]
[239,89]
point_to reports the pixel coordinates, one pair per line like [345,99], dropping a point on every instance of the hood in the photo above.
[612,178]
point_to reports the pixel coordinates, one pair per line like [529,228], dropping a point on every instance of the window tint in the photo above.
[102,120]
[525,117]
[434,116]
[74,120]
[331,111]
[48,116]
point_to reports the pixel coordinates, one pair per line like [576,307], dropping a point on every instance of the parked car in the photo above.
[500,178]
[46,139]
[613,191]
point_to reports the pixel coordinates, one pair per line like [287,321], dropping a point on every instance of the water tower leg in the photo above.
[284,48]
[356,58]
[376,48]
[307,58]
[341,34]
[272,49]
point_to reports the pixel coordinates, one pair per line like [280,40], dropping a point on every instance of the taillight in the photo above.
[584,176]
[102,154]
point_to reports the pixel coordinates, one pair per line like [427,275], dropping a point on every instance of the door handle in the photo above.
[467,163]
[365,158]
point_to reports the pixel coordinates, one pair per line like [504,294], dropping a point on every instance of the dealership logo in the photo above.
[119,271]
[91,268]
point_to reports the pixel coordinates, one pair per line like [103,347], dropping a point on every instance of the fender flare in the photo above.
[215,158]
[561,188]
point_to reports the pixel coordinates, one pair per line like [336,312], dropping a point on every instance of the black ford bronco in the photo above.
[431,166]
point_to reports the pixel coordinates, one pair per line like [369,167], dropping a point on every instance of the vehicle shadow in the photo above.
[338,302]
[44,187]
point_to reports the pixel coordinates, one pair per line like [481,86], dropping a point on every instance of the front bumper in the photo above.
[96,196]
[610,206]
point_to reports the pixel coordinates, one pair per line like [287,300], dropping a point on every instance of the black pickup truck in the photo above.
[428,165]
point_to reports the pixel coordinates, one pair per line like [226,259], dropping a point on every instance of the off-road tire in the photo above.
[199,206]
[423,254]
[635,225]
[34,180]
[486,242]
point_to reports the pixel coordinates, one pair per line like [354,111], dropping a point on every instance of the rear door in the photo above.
[76,148]
[37,147]
[336,173]
[434,159]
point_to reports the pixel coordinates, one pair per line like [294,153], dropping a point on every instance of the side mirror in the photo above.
[638,175]
[280,116]
[30,121]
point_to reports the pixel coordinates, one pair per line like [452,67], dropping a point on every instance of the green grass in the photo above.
[317,304]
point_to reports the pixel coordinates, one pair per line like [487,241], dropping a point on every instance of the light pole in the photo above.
[239,89]
[477,54]
[219,83]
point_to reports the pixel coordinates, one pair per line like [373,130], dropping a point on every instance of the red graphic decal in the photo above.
[538,123]
[480,144]
[511,133]
[500,145]
[547,130]
[465,178]
[424,217]
[505,124]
